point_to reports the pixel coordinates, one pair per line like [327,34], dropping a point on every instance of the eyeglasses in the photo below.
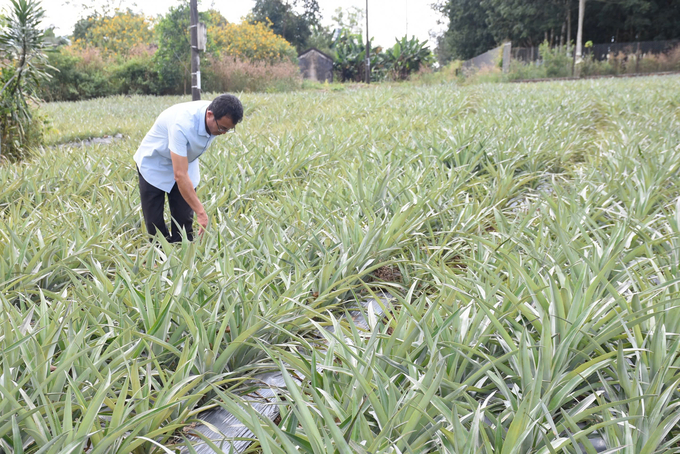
[222,129]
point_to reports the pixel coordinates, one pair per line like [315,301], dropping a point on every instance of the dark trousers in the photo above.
[153,204]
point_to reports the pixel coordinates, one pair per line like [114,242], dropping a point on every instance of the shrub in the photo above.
[113,35]
[592,67]
[88,58]
[231,74]
[84,73]
[77,73]
[136,76]
[523,71]
[645,63]
[447,73]
[674,59]
[557,61]
[63,85]
[250,41]
[408,56]
[557,64]
[486,74]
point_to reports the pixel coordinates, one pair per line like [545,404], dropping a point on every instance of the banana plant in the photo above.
[408,56]
[350,61]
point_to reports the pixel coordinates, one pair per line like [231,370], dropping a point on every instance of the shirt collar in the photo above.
[202,131]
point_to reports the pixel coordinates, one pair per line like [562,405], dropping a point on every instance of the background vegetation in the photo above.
[114,52]
[475,27]
[531,235]
[115,35]
[119,54]
[557,62]
[286,21]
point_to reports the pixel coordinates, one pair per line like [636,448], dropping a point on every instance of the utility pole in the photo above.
[368,50]
[579,33]
[195,61]
[407,18]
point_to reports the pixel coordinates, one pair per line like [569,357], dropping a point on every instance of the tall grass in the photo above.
[532,234]
[230,74]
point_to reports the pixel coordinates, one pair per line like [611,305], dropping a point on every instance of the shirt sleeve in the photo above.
[177,140]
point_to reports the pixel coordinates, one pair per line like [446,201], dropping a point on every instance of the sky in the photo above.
[388,19]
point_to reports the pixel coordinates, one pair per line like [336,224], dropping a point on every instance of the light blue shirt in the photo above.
[180,129]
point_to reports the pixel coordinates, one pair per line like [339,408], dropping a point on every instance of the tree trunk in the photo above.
[283,27]
[568,25]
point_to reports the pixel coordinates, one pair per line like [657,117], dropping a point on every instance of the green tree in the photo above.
[295,27]
[172,59]
[477,26]
[81,28]
[22,65]
[322,39]
[632,20]
[350,19]
[527,23]
[468,34]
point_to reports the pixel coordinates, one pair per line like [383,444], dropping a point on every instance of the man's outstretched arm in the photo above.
[180,166]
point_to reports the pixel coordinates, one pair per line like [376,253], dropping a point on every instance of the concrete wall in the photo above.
[490,59]
[316,66]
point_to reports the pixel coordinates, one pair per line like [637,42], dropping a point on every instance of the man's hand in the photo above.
[202,219]
[180,167]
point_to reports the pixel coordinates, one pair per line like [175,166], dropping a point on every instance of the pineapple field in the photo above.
[528,237]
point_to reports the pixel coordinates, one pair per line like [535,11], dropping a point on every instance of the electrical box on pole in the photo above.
[202,36]
[195,60]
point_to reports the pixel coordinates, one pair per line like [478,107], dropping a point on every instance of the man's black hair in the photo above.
[228,105]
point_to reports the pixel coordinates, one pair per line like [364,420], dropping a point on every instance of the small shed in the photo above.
[315,65]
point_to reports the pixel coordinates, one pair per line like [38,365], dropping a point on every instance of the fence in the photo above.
[602,52]
[525,54]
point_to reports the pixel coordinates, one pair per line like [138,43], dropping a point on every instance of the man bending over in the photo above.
[167,162]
